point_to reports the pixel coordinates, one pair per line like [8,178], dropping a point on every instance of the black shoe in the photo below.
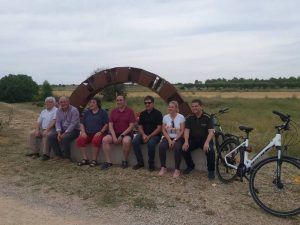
[151,168]
[211,175]
[45,157]
[105,166]
[137,166]
[124,164]
[188,170]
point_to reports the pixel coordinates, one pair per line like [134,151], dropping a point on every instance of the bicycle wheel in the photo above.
[278,196]
[219,139]
[225,173]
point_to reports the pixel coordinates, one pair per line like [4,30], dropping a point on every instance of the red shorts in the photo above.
[95,140]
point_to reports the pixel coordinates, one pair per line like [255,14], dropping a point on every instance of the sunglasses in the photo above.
[147,103]
[173,124]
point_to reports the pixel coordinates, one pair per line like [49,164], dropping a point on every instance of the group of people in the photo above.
[56,128]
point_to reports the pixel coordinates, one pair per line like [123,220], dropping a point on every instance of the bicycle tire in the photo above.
[266,189]
[219,139]
[225,173]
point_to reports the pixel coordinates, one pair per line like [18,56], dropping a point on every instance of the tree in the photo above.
[17,88]
[46,90]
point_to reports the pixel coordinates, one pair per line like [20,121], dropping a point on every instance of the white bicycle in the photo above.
[274,181]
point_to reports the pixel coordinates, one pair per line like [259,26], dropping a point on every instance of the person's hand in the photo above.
[45,133]
[185,146]
[171,144]
[206,147]
[145,138]
[59,137]
[98,134]
[83,134]
[115,140]
[36,132]
[119,140]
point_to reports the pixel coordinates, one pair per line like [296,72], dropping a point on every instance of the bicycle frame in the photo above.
[276,142]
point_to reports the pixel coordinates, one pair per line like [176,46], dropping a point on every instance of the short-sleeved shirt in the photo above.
[121,119]
[150,120]
[199,126]
[173,128]
[46,117]
[93,122]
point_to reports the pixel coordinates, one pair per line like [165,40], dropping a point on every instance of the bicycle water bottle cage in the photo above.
[246,129]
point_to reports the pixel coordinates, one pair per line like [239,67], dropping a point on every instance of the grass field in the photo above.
[141,190]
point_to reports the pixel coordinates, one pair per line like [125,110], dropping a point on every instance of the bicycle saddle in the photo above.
[246,129]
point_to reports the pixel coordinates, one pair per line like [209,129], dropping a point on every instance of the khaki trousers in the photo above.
[39,143]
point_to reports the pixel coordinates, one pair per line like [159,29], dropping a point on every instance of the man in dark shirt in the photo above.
[198,133]
[150,122]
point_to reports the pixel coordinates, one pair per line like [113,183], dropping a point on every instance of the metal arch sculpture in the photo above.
[97,82]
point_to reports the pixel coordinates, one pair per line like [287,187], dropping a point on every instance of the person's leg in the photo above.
[96,143]
[106,142]
[187,155]
[136,144]
[66,142]
[126,144]
[45,143]
[151,150]
[163,146]
[52,138]
[211,160]
[34,144]
[81,143]
[177,153]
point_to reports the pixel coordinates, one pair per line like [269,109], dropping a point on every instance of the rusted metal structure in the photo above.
[97,82]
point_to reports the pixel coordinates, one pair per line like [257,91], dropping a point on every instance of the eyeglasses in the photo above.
[147,103]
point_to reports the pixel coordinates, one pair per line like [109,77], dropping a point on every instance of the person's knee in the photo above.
[126,140]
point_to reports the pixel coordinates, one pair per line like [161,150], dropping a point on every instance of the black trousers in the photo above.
[164,146]
[210,155]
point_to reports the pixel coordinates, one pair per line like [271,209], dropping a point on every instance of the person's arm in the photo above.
[82,130]
[181,131]
[211,133]
[74,120]
[129,129]
[186,139]
[155,132]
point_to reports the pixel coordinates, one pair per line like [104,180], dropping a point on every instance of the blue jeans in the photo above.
[136,144]
[63,150]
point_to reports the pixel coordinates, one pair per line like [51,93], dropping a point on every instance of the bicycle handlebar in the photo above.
[221,111]
[284,118]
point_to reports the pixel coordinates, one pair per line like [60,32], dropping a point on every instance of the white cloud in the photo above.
[64,41]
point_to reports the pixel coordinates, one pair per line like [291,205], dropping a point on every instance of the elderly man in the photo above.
[121,123]
[44,126]
[67,128]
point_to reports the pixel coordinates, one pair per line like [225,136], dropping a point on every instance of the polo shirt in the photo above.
[93,122]
[46,117]
[199,126]
[121,119]
[150,120]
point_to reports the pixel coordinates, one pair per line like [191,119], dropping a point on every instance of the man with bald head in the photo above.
[67,128]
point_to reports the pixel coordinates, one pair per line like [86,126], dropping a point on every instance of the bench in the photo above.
[117,156]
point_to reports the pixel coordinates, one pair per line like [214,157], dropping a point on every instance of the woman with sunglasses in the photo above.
[172,128]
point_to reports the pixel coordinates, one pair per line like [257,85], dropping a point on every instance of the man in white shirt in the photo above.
[39,136]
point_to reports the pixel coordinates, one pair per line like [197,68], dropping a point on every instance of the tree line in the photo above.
[242,83]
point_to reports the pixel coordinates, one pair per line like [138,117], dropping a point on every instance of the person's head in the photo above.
[149,102]
[64,102]
[95,103]
[50,102]
[197,106]
[120,100]
[173,107]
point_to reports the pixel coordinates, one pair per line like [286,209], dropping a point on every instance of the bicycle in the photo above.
[274,181]
[220,135]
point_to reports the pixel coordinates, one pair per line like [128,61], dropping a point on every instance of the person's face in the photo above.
[49,104]
[148,104]
[196,108]
[64,103]
[120,101]
[172,108]
[93,105]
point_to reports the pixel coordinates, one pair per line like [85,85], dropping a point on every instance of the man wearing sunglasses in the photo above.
[149,128]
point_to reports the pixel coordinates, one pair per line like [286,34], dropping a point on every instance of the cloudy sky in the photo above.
[64,41]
